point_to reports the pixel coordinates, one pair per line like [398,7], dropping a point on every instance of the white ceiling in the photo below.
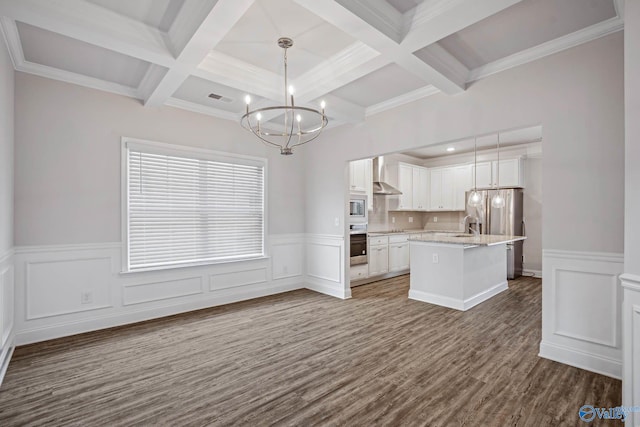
[362,57]
[507,139]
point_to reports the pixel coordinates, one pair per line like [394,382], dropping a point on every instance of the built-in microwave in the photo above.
[358,209]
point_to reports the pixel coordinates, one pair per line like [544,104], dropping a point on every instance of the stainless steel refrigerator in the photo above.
[507,220]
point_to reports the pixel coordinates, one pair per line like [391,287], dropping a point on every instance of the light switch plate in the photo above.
[410,219]
[436,259]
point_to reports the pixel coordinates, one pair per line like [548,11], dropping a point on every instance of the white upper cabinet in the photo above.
[361,179]
[511,173]
[484,175]
[405,185]
[463,183]
[443,189]
[413,182]
[420,188]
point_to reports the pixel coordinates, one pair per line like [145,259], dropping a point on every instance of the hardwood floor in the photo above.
[303,359]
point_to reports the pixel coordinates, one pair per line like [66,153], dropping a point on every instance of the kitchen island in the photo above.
[458,270]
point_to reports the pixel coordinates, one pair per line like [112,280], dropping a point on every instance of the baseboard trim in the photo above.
[6,357]
[483,296]
[227,296]
[458,304]
[327,288]
[580,359]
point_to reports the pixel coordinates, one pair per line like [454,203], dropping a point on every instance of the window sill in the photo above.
[194,265]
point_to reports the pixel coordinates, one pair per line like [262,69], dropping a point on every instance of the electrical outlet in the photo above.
[336,221]
[410,219]
[86,297]
[435,219]
[393,220]
[435,258]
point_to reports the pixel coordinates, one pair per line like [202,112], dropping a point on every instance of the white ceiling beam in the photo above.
[434,20]
[93,24]
[348,65]
[192,37]
[353,21]
[240,75]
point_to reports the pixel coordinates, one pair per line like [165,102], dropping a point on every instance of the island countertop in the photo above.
[467,240]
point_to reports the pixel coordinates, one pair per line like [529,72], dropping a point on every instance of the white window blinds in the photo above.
[184,209]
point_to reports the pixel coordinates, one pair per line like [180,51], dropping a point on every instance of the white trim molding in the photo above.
[7,314]
[325,265]
[631,344]
[64,290]
[581,307]
[458,304]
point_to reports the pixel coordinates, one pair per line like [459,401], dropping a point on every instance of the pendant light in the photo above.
[498,201]
[474,198]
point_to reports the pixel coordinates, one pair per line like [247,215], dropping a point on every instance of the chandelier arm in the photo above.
[252,130]
[304,142]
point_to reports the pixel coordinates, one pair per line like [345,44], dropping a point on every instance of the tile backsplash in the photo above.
[380,219]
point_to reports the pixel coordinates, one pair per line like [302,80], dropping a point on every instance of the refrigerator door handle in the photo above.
[524,228]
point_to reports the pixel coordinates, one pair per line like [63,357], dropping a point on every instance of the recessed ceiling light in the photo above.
[450,149]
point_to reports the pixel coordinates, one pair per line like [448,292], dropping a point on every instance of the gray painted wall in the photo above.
[576,95]
[6,149]
[67,160]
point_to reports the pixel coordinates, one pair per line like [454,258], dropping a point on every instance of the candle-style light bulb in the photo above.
[299,118]
[259,116]
[291,90]
[247,99]
[323,104]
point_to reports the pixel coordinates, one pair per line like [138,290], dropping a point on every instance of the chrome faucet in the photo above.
[468,228]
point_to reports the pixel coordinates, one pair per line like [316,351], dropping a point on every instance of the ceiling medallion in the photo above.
[294,131]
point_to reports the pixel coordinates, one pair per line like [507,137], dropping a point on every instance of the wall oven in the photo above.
[358,209]
[358,244]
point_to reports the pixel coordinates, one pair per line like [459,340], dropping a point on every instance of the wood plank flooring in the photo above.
[304,359]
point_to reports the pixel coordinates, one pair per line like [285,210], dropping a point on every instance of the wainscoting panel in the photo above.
[238,278]
[631,345]
[326,265]
[7,314]
[56,287]
[63,290]
[581,307]
[287,256]
[156,291]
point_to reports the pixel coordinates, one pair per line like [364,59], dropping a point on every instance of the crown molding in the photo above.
[423,92]
[202,109]
[440,59]
[12,38]
[568,41]
[423,13]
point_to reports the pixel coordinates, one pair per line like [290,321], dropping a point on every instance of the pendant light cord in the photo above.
[498,168]
[475,163]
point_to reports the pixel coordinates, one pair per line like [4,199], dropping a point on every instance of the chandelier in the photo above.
[294,131]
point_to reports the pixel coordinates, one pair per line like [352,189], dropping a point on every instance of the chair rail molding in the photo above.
[631,344]
[581,307]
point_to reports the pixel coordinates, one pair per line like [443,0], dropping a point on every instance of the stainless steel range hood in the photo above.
[379,184]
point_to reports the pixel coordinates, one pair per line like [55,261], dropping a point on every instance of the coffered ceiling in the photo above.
[361,56]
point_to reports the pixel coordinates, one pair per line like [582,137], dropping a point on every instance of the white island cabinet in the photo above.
[458,271]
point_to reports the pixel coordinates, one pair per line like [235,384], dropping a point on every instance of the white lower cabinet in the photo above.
[398,256]
[357,272]
[378,255]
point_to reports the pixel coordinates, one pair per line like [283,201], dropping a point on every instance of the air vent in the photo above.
[219,97]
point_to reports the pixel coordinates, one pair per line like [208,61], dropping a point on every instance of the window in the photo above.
[186,206]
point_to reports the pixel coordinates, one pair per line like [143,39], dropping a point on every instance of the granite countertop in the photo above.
[414,231]
[467,239]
